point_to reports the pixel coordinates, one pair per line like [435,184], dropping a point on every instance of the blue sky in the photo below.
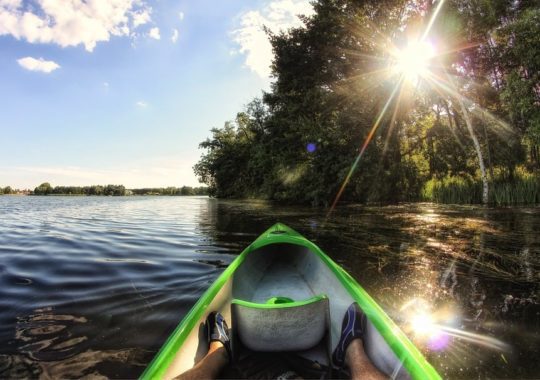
[101,92]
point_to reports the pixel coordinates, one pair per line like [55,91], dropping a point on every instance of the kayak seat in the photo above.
[280,324]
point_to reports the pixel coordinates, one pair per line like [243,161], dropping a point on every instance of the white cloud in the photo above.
[174,36]
[33,64]
[141,104]
[253,41]
[106,84]
[141,16]
[154,33]
[72,23]
[181,16]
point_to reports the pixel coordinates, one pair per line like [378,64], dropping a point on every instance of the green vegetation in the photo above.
[524,189]
[6,190]
[47,189]
[115,190]
[184,190]
[470,123]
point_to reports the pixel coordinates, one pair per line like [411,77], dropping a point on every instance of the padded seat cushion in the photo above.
[289,326]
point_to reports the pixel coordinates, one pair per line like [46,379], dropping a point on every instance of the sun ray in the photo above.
[417,63]
[445,85]
[457,49]
[432,20]
[364,146]
[478,339]
[392,122]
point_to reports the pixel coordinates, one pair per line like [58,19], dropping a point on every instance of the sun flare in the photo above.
[414,60]
[423,324]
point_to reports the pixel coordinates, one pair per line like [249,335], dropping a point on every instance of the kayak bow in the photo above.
[282,270]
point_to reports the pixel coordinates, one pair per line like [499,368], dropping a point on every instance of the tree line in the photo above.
[107,190]
[7,190]
[472,123]
[184,190]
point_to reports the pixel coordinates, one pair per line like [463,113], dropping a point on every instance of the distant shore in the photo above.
[45,189]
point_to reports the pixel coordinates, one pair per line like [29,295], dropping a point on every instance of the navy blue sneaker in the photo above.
[353,327]
[218,331]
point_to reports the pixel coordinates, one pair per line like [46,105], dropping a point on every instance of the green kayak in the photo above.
[282,279]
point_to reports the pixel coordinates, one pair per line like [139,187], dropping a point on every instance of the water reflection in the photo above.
[44,335]
[477,267]
[93,286]
[50,347]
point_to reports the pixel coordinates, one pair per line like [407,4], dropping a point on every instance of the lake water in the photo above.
[94,285]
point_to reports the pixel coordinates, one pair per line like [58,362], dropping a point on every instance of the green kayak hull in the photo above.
[278,265]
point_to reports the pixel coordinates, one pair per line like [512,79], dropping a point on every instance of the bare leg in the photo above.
[210,366]
[359,363]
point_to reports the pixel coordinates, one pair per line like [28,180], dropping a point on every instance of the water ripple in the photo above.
[92,286]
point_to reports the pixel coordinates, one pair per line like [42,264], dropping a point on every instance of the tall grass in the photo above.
[523,189]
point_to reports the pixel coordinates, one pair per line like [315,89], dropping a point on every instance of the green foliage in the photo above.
[9,190]
[184,190]
[43,189]
[327,94]
[523,189]
[116,190]
[457,190]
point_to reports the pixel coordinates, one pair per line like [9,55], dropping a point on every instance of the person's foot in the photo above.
[217,331]
[352,328]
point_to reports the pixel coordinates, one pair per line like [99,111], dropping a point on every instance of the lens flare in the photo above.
[434,328]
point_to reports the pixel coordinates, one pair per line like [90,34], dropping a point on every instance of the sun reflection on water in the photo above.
[437,329]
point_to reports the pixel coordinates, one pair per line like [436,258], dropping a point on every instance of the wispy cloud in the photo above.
[252,40]
[39,64]
[141,104]
[72,23]
[181,16]
[174,36]
[154,33]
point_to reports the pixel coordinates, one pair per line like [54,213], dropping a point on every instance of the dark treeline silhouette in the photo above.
[115,190]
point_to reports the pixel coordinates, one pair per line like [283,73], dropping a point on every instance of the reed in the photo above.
[524,189]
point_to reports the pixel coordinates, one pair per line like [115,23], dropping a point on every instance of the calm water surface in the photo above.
[92,286]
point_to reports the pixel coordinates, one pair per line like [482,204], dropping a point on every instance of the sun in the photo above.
[414,60]
[423,324]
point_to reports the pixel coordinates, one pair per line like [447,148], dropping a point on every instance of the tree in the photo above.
[44,189]
[476,114]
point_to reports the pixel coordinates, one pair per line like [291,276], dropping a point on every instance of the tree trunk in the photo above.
[488,151]
[485,186]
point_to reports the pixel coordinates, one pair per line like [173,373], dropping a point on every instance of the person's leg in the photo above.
[350,349]
[210,366]
[219,350]
[359,364]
